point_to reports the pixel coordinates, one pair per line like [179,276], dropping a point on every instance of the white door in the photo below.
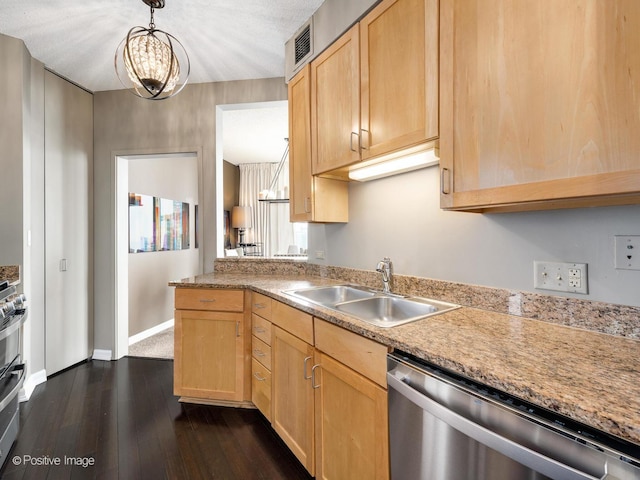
[68,170]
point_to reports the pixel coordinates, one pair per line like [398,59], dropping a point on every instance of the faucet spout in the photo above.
[384,267]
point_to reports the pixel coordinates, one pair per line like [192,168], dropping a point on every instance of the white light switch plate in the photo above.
[560,276]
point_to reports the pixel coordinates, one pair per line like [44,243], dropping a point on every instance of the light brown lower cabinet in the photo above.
[292,395]
[351,423]
[211,350]
[329,400]
[210,363]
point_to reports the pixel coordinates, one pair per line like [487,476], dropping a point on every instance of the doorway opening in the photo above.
[144,303]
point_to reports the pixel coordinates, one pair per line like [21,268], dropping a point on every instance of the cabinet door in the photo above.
[292,396]
[399,75]
[539,103]
[300,146]
[209,355]
[351,423]
[312,199]
[335,105]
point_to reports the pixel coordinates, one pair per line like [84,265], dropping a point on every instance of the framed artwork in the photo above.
[157,224]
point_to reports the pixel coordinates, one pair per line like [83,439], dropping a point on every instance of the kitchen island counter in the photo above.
[590,377]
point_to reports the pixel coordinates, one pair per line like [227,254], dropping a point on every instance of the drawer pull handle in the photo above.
[362,139]
[258,353]
[207,300]
[445,181]
[259,330]
[260,305]
[259,377]
[351,142]
[304,372]
[313,376]
[237,329]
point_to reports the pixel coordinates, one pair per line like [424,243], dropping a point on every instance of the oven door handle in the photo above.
[521,454]
[6,400]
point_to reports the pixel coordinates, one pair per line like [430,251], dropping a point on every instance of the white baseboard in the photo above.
[30,384]
[102,355]
[150,332]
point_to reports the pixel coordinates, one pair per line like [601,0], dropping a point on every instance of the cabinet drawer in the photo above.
[261,328]
[294,321]
[261,388]
[359,353]
[261,305]
[209,299]
[261,351]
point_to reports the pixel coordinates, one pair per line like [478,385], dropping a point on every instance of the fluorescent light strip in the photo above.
[394,166]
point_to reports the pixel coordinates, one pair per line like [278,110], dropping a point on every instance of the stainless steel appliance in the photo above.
[443,426]
[13,314]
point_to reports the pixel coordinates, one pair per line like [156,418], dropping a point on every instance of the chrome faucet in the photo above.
[384,267]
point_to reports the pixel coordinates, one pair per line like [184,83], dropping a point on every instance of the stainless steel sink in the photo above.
[376,308]
[330,296]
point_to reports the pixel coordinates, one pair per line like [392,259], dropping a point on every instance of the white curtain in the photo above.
[270,221]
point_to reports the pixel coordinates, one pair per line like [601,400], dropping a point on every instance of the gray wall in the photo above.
[14,80]
[22,192]
[231,194]
[125,124]
[150,297]
[400,217]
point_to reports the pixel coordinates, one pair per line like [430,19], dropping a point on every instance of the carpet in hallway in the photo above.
[159,345]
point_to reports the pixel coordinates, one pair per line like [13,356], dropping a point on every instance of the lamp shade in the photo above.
[241,217]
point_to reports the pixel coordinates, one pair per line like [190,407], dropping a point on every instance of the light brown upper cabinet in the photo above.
[312,199]
[539,104]
[375,90]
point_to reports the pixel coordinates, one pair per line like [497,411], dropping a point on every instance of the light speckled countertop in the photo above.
[591,377]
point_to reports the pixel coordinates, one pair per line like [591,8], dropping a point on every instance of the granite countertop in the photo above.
[591,377]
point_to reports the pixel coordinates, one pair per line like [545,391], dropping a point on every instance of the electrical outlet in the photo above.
[320,254]
[561,277]
[627,254]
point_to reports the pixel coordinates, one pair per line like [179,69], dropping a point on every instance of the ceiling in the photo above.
[225,39]
[254,133]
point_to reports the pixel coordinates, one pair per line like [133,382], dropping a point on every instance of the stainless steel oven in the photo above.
[445,427]
[13,314]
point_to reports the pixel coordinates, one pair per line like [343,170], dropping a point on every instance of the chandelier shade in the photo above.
[151,63]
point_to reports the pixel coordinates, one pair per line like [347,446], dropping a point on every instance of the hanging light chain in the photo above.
[152,24]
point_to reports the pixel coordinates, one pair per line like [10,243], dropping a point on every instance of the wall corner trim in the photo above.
[30,384]
[101,355]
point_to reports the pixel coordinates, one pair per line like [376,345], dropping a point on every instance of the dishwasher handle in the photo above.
[530,458]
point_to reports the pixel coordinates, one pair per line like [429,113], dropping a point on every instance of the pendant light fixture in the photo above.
[151,63]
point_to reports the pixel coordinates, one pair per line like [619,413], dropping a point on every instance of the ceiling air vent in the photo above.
[298,49]
[302,44]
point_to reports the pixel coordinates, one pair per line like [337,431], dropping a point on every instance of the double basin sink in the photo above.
[372,306]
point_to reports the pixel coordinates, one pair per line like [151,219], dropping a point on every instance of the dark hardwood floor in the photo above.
[122,420]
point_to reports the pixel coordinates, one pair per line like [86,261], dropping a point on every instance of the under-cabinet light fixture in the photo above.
[385,168]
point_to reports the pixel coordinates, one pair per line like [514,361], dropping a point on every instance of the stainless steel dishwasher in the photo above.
[445,427]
